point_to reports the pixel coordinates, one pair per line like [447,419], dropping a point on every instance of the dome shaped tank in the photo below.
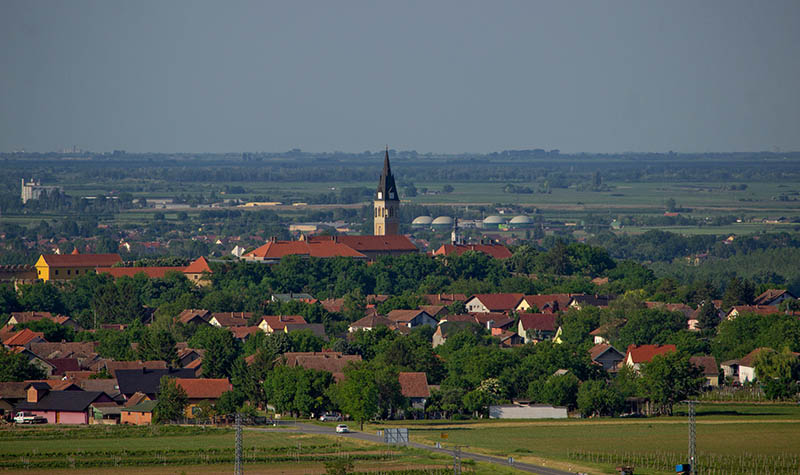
[443,221]
[422,221]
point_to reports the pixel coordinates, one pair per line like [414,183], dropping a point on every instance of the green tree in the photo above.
[669,379]
[778,373]
[172,401]
[738,292]
[41,297]
[561,390]
[158,344]
[52,331]
[15,367]
[358,394]
[598,398]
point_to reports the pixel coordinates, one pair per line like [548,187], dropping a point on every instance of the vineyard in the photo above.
[708,464]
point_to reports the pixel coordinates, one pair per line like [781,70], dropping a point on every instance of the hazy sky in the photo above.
[432,76]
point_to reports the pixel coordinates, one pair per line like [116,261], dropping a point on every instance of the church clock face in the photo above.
[380,195]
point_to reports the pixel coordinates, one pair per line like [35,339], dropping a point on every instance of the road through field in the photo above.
[314,429]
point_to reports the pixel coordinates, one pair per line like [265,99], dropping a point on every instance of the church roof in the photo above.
[387,190]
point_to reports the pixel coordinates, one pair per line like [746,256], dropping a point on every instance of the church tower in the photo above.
[387,203]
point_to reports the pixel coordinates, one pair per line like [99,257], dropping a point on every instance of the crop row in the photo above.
[705,463]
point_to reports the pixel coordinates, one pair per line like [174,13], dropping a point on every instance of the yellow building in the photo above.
[69,266]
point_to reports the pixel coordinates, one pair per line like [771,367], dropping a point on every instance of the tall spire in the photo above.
[387,190]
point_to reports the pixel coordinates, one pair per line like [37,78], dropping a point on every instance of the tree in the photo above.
[708,316]
[158,344]
[41,297]
[221,347]
[172,401]
[15,367]
[778,373]
[598,398]
[357,394]
[669,379]
[561,390]
[52,331]
[738,292]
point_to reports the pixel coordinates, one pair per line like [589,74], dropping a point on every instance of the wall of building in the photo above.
[536,411]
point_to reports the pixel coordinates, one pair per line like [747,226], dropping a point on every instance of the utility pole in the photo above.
[692,440]
[457,460]
[237,467]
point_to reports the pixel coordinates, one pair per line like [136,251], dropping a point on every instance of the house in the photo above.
[11,393]
[139,414]
[112,366]
[537,327]
[747,365]
[187,355]
[277,323]
[708,364]
[370,322]
[147,381]
[507,338]
[194,316]
[642,354]
[108,386]
[762,310]
[230,319]
[333,305]
[497,251]
[602,333]
[202,389]
[105,413]
[551,303]
[606,356]
[774,297]
[24,338]
[485,303]
[27,317]
[243,333]
[414,386]
[444,299]
[580,301]
[62,365]
[435,311]
[197,272]
[61,407]
[70,266]
[331,361]
[274,250]
[446,329]
[411,318]
[373,246]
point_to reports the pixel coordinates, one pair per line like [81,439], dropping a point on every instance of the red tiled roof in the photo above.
[599,349]
[432,310]
[278,322]
[444,299]
[136,399]
[749,359]
[388,243]
[372,321]
[113,366]
[23,337]
[322,249]
[757,309]
[25,317]
[332,305]
[543,302]
[707,363]
[414,384]
[191,313]
[499,302]
[769,295]
[672,307]
[538,321]
[402,316]
[62,365]
[645,353]
[498,251]
[81,260]
[231,319]
[198,266]
[243,332]
[204,388]
[330,361]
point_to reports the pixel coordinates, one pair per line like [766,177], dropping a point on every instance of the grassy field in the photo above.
[729,436]
[99,449]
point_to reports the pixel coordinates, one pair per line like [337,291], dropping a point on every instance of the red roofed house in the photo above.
[762,310]
[26,317]
[637,355]
[444,299]
[194,316]
[710,369]
[414,386]
[333,362]
[274,250]
[197,272]
[373,246]
[202,389]
[485,303]
[277,323]
[69,266]
[498,251]
[537,327]
[545,303]
[411,318]
[370,322]
[24,338]
[230,319]
[774,297]
[243,333]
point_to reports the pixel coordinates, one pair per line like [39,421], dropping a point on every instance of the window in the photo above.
[56,271]
[68,271]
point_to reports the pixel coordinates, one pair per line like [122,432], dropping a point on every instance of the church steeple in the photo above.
[387,202]
[387,190]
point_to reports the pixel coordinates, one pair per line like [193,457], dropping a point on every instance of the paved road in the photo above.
[315,429]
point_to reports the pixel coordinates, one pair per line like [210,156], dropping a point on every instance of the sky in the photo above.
[431,76]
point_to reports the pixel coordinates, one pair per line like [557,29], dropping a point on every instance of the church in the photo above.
[385,240]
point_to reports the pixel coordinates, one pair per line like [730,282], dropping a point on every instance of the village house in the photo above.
[606,356]
[370,322]
[274,250]
[24,338]
[497,251]
[70,266]
[636,356]
[333,362]
[61,407]
[414,386]
[762,310]
[551,303]
[536,327]
[147,381]
[411,318]
[485,303]
[194,316]
[774,297]
[138,414]
[373,246]
[708,364]
[27,317]
[277,323]
[202,389]
[230,319]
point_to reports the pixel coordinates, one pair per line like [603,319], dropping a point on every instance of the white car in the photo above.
[342,429]
[29,418]
[330,417]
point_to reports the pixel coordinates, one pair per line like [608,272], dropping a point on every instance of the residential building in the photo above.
[536,327]
[70,266]
[606,356]
[411,318]
[485,303]
[414,386]
[641,354]
[708,364]
[277,323]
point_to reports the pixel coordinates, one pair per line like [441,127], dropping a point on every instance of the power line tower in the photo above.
[237,467]
[457,460]
[692,440]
